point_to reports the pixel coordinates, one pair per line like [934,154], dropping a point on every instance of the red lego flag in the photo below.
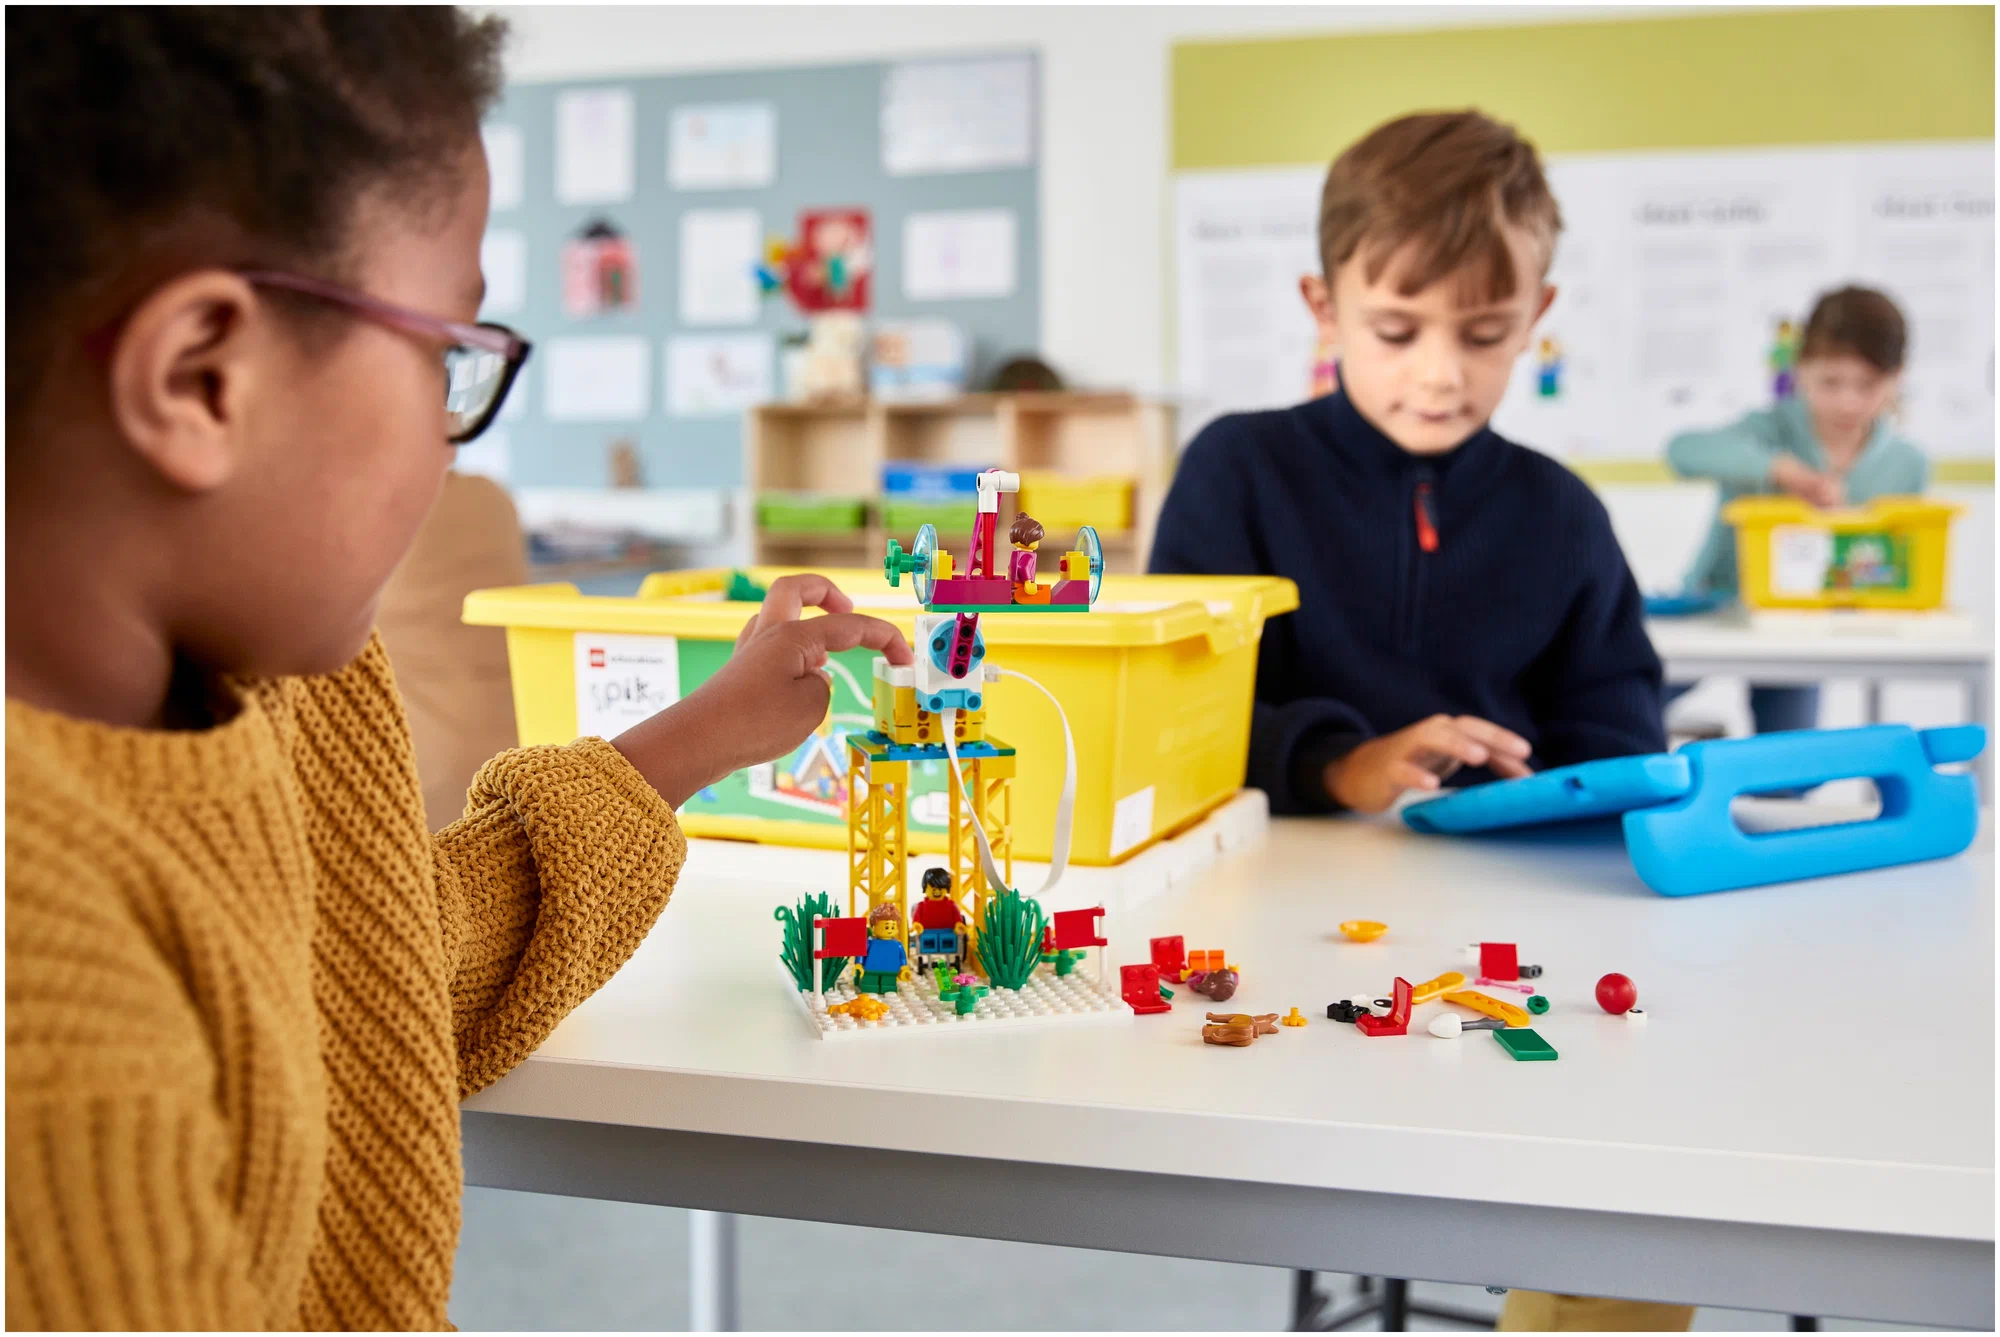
[842,937]
[1078,928]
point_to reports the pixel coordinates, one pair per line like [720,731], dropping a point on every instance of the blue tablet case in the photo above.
[1682,837]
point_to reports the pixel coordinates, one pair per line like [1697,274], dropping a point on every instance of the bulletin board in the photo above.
[940,151]
[1715,172]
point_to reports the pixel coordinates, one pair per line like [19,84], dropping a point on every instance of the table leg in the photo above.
[712,1272]
[1871,700]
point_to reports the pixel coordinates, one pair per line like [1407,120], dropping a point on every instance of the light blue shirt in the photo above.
[1739,457]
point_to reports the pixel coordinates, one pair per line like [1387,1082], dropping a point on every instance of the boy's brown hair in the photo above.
[1447,181]
[1860,321]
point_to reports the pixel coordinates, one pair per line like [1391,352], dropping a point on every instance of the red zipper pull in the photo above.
[1427,534]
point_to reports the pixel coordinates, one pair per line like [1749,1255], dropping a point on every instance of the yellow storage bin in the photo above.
[1157,681]
[1889,553]
[1064,502]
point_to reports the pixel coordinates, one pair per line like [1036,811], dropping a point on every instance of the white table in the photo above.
[1782,648]
[1805,1126]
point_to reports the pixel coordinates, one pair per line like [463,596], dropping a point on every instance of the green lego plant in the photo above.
[798,952]
[1010,939]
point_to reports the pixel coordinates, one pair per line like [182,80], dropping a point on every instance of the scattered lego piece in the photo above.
[1219,985]
[1292,1018]
[1212,960]
[1617,994]
[1139,987]
[1238,1029]
[1525,1046]
[1344,1011]
[1384,1004]
[1362,930]
[1636,1017]
[1450,1026]
[1170,955]
[1531,972]
[1430,989]
[1538,1005]
[1499,960]
[1488,1006]
[1505,984]
[1398,1020]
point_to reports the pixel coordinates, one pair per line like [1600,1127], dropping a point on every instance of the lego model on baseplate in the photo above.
[1682,836]
[863,975]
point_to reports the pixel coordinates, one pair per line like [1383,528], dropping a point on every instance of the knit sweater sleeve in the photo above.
[119,1157]
[559,868]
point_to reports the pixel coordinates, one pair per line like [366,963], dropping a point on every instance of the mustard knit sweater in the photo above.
[246,990]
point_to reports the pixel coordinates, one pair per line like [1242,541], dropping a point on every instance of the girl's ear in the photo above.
[182,376]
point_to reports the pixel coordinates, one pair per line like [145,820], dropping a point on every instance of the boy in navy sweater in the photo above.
[1464,609]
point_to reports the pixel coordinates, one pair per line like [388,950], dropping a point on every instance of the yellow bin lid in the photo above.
[1227,611]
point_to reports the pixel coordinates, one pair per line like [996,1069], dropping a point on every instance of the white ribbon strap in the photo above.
[1065,800]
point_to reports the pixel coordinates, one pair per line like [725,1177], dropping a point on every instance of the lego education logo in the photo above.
[621,680]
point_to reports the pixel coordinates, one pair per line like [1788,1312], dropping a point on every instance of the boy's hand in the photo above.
[1369,778]
[772,693]
[1807,484]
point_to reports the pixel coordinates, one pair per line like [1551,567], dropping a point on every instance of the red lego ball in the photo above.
[1617,994]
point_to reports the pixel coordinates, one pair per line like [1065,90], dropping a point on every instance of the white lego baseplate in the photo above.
[1044,1003]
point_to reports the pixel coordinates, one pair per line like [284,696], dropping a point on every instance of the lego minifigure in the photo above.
[1026,536]
[882,965]
[937,922]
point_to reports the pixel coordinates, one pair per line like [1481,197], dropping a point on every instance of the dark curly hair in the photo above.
[122,120]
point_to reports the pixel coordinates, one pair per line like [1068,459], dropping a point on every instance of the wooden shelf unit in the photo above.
[839,447]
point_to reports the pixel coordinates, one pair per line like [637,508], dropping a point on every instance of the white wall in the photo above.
[1105,224]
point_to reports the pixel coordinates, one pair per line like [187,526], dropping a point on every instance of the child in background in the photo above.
[1464,608]
[246,988]
[1462,600]
[1831,444]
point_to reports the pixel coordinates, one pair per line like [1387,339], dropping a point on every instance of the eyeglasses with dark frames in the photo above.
[480,361]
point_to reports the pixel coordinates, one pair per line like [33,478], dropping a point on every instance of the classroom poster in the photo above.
[958,115]
[1676,276]
[723,146]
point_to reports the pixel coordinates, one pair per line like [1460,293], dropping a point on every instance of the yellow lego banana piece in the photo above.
[1488,1006]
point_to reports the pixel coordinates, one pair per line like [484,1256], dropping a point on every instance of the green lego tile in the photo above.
[1524,1044]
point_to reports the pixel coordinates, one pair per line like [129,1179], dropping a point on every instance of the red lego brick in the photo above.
[1170,955]
[1499,961]
[1139,986]
[1398,1020]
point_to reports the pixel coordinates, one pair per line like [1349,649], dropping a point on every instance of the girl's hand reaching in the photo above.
[762,703]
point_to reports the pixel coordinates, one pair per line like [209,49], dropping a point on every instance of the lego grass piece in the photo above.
[1525,1045]
[1009,945]
[797,954]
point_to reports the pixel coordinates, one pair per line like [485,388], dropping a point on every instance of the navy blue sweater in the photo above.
[1484,582]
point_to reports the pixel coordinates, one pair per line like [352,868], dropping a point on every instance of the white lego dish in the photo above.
[1044,1003]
